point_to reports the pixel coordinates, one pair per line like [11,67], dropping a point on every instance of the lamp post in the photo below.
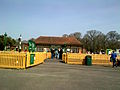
[19,46]
[65,47]
[5,41]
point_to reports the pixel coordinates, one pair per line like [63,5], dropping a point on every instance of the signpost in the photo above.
[65,47]
[32,48]
[19,46]
[5,41]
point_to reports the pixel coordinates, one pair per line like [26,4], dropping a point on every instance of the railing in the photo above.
[21,60]
[24,60]
[38,58]
[101,59]
[48,55]
[13,60]
[75,58]
[64,57]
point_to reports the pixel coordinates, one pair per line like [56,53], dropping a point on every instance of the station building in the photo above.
[45,43]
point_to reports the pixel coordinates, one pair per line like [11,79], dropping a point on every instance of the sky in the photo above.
[34,18]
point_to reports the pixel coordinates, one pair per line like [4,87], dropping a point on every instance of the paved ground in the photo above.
[54,75]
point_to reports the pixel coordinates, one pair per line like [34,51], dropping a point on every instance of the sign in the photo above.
[32,46]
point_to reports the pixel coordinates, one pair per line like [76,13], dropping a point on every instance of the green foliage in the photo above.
[77,35]
[113,40]
[65,35]
[94,40]
[10,42]
[1,42]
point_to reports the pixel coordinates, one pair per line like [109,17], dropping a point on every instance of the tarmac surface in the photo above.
[55,75]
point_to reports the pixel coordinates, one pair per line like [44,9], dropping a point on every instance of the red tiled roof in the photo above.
[57,40]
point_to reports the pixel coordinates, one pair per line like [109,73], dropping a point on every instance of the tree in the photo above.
[32,39]
[100,41]
[77,35]
[94,40]
[10,42]
[65,35]
[113,40]
[86,42]
[1,42]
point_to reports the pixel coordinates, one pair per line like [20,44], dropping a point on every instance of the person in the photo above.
[113,56]
[52,53]
[60,53]
[56,53]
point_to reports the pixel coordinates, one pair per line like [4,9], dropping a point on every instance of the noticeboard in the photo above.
[32,46]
